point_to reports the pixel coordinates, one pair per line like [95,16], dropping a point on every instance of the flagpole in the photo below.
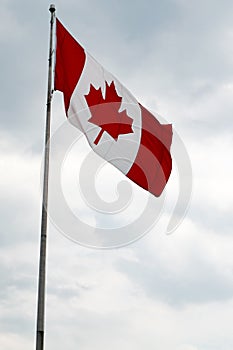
[43,238]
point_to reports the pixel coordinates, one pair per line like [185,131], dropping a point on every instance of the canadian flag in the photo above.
[117,127]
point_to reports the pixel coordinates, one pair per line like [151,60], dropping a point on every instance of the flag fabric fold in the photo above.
[117,127]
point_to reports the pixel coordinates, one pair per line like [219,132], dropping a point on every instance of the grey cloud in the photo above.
[24,73]
[199,283]
[19,223]
[212,218]
[17,325]
[17,287]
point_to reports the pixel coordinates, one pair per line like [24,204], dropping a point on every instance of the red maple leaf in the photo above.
[105,112]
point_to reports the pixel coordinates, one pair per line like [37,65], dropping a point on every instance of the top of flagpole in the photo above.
[52,8]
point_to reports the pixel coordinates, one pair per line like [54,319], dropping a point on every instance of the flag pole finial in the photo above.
[52,8]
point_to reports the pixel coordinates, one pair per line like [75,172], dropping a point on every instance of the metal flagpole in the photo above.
[43,239]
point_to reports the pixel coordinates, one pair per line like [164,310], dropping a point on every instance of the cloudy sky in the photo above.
[163,291]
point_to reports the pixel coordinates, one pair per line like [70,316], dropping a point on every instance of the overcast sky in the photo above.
[164,291]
